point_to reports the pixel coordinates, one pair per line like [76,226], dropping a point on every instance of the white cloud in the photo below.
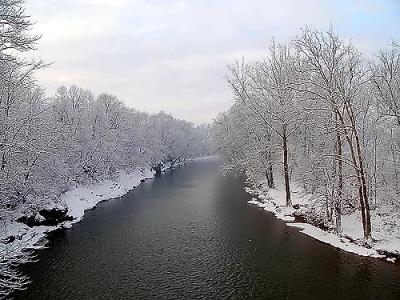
[172,55]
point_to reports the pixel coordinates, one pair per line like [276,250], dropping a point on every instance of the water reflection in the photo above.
[192,235]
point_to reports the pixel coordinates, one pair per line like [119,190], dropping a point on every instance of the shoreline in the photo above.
[19,241]
[386,248]
[77,200]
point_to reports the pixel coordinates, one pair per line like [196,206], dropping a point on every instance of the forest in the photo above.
[318,113]
[49,144]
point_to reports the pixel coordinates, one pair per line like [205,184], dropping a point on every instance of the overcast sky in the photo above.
[172,55]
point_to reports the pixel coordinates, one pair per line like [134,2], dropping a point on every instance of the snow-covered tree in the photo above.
[331,114]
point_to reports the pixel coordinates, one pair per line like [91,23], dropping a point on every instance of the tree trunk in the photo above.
[375,170]
[357,158]
[3,161]
[338,198]
[364,193]
[269,172]
[286,167]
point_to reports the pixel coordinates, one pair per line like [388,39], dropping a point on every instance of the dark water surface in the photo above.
[191,235]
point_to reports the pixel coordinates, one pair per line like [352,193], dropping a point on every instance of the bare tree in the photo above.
[265,89]
[15,29]
[336,75]
[387,82]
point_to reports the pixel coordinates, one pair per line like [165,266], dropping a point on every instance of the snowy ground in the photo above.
[77,200]
[385,228]
[82,198]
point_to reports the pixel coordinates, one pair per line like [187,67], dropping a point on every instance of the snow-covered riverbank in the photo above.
[18,239]
[385,226]
[18,236]
[76,201]
[20,232]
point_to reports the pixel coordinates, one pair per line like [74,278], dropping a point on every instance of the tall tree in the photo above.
[335,75]
[266,90]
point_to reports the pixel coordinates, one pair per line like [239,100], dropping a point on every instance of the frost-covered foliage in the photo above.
[50,144]
[12,255]
[316,112]
[74,137]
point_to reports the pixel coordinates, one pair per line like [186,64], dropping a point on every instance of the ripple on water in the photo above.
[191,235]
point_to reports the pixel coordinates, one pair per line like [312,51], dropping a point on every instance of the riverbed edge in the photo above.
[267,199]
[17,237]
[76,201]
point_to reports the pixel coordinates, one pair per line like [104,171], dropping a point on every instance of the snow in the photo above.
[18,237]
[334,240]
[82,198]
[29,237]
[77,200]
[274,201]
[385,230]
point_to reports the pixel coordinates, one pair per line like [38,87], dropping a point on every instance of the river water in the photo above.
[191,235]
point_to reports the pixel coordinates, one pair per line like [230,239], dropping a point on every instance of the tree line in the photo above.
[49,144]
[318,112]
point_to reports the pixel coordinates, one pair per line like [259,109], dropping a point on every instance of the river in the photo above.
[190,234]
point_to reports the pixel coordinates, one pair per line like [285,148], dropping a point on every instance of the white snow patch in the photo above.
[334,240]
[82,198]
[274,201]
[77,200]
